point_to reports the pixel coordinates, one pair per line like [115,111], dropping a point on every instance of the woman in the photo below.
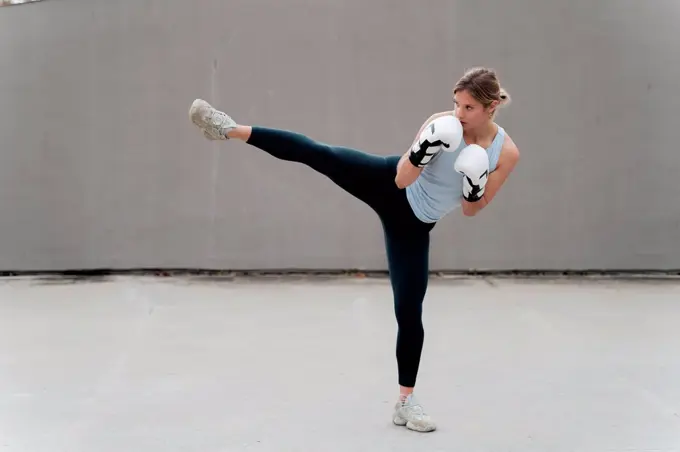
[459,158]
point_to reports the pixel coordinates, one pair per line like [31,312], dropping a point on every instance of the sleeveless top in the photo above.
[438,190]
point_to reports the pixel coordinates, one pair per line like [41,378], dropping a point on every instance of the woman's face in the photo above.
[469,111]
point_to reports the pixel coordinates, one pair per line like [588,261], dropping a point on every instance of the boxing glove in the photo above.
[473,164]
[444,132]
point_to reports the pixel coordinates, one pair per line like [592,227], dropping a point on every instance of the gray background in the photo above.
[100,166]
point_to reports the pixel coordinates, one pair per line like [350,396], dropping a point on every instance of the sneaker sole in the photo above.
[193,111]
[411,426]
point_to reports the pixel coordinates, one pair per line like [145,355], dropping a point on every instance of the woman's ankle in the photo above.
[404,392]
[240,133]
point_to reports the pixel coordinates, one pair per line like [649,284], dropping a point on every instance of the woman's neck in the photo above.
[482,133]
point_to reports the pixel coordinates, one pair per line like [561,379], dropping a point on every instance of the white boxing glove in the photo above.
[473,164]
[444,132]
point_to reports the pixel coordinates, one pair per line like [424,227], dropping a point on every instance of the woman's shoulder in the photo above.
[509,150]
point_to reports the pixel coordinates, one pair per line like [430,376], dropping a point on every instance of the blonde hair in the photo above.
[483,85]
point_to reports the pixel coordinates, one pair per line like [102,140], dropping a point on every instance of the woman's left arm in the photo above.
[506,163]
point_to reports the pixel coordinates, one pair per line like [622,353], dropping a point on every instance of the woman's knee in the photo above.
[409,315]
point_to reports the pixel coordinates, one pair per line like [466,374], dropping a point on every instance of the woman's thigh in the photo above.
[408,264]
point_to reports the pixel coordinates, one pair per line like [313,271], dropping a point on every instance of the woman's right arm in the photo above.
[407,173]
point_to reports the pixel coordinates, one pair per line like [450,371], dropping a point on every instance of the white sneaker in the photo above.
[214,123]
[411,414]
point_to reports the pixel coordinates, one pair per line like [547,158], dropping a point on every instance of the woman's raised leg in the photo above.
[365,176]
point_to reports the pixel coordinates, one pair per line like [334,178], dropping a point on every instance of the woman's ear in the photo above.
[492,107]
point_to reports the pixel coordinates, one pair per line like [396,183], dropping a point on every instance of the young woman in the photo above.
[459,158]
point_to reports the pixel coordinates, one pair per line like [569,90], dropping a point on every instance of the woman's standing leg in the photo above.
[408,244]
[365,176]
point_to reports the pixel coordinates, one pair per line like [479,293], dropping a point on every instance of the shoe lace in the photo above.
[218,118]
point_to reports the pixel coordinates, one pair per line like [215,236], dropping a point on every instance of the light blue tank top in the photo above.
[438,189]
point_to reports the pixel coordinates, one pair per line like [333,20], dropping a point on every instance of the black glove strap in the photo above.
[474,195]
[416,158]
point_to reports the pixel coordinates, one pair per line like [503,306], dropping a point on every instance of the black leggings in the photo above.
[370,178]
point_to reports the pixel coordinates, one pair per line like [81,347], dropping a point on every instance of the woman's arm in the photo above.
[506,164]
[407,173]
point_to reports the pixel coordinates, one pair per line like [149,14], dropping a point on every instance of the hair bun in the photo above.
[505,97]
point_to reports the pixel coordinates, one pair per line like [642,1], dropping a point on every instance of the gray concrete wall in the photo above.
[100,167]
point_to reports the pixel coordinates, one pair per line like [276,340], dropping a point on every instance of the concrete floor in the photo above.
[198,364]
